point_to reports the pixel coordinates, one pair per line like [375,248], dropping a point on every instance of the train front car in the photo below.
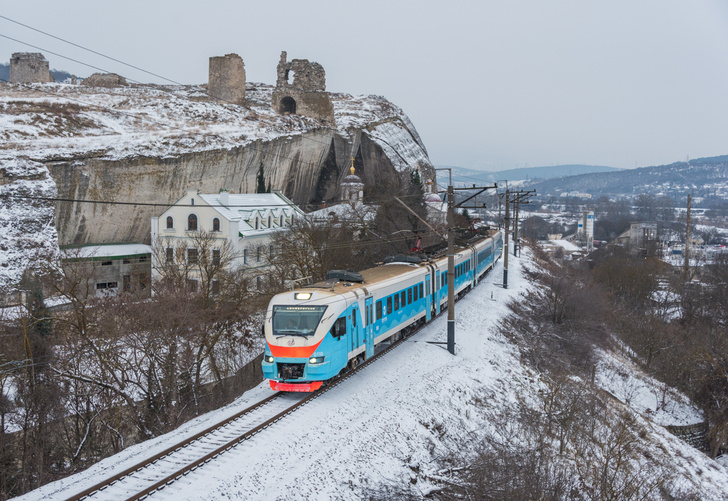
[303,333]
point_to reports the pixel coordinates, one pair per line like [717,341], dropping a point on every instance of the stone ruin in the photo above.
[226,80]
[108,80]
[301,90]
[30,67]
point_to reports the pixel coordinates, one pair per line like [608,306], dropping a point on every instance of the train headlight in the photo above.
[316,360]
[269,358]
[302,295]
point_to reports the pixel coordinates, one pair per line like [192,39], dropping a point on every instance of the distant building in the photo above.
[640,238]
[107,270]
[245,221]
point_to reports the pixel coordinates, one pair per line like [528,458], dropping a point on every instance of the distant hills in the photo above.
[463,176]
[702,177]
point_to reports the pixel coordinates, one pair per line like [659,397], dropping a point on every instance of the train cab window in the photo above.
[396,302]
[339,327]
[409,296]
[379,310]
[389,305]
[403,298]
[420,288]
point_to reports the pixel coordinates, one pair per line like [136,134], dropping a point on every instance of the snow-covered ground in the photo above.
[391,423]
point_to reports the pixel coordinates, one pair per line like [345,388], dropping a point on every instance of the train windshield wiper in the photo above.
[280,334]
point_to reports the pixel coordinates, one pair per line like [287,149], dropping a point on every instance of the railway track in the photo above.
[162,469]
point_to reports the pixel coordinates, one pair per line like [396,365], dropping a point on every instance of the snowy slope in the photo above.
[392,423]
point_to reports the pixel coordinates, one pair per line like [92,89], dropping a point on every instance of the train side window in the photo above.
[396,302]
[420,288]
[403,298]
[409,296]
[389,305]
[415,293]
[379,310]
[339,327]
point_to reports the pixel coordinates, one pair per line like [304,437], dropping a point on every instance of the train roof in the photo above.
[375,275]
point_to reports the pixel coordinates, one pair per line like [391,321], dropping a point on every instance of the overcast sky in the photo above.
[488,84]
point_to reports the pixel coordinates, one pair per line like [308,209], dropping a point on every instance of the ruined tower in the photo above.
[301,90]
[226,81]
[29,67]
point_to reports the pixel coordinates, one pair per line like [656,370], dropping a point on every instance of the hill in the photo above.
[464,176]
[702,177]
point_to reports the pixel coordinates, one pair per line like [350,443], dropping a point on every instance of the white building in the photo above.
[246,222]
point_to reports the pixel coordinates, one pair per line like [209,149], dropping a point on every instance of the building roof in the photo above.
[116,251]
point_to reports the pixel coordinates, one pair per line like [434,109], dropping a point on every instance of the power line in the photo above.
[89,50]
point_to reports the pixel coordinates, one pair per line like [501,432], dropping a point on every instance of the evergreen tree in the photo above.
[261,181]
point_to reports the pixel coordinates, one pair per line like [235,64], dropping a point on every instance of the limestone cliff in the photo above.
[144,145]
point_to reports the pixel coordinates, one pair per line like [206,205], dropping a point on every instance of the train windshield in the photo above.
[296,320]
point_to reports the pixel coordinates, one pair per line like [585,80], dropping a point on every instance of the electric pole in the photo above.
[505,245]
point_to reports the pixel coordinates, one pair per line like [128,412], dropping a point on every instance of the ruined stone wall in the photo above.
[107,80]
[29,67]
[301,90]
[308,169]
[226,80]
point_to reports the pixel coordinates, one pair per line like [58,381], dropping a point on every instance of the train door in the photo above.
[428,299]
[355,328]
[437,292]
[369,329]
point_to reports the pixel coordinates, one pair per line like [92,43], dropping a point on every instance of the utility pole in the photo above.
[687,242]
[519,196]
[508,229]
[450,268]
[451,255]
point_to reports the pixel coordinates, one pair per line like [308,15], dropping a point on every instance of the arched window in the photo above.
[170,223]
[216,224]
[281,222]
[257,223]
[192,222]
[270,221]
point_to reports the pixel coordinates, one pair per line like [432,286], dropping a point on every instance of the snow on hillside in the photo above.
[27,234]
[393,423]
[45,121]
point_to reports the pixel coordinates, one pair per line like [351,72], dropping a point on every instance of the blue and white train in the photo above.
[314,332]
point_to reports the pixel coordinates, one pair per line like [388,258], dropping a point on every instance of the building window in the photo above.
[169,252]
[281,221]
[142,259]
[270,251]
[257,223]
[191,256]
[270,221]
[216,257]
[126,283]
[259,283]
[192,222]
[258,254]
[192,285]
[170,223]
[245,256]
[215,287]
[216,224]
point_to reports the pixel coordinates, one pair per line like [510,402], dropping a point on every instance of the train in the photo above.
[314,332]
